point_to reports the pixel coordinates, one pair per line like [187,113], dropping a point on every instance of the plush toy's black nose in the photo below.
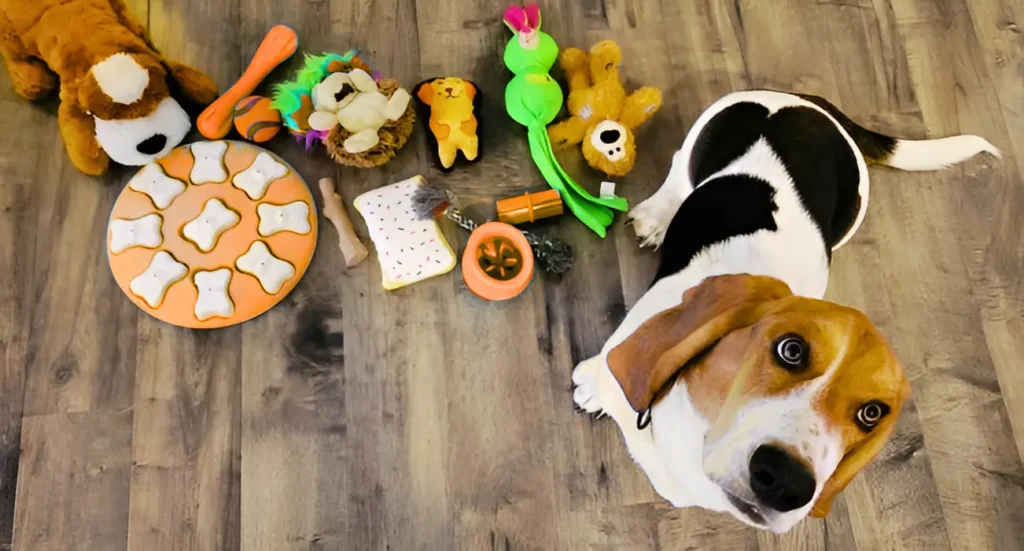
[152,145]
[610,136]
[449,90]
[779,480]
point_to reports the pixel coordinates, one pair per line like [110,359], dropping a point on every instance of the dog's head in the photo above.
[442,89]
[449,98]
[137,121]
[798,394]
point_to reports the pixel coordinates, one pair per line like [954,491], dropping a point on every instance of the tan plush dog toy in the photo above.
[115,100]
[603,117]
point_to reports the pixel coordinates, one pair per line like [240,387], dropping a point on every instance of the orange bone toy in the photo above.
[279,44]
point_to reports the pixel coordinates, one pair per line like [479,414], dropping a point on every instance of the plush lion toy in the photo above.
[115,100]
[603,117]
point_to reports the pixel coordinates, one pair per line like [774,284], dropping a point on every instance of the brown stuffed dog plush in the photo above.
[603,116]
[115,100]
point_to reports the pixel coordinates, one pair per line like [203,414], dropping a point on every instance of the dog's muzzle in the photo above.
[140,141]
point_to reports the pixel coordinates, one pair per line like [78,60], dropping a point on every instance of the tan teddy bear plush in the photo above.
[603,116]
[115,100]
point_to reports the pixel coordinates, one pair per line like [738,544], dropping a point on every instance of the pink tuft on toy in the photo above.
[525,23]
[523,19]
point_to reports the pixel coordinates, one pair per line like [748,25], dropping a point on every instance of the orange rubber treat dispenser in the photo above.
[498,261]
[529,207]
[214,234]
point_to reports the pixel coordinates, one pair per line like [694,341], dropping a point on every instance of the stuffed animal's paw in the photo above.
[79,134]
[640,106]
[30,80]
[567,133]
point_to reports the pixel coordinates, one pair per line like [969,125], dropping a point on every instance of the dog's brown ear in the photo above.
[426,92]
[470,89]
[192,83]
[658,349]
[859,457]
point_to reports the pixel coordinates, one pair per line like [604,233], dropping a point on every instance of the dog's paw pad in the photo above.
[650,221]
[584,377]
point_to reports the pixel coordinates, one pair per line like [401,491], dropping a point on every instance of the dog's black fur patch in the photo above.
[817,157]
[725,138]
[823,167]
[730,206]
[874,146]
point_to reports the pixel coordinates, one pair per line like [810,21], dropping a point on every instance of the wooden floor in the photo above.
[349,417]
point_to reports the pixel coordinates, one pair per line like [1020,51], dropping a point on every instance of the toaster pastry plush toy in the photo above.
[115,102]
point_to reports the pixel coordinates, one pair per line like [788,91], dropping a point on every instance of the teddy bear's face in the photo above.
[610,147]
[137,121]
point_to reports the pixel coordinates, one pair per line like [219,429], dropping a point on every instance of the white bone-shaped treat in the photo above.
[152,284]
[205,229]
[209,162]
[141,232]
[161,188]
[293,217]
[259,262]
[213,294]
[255,180]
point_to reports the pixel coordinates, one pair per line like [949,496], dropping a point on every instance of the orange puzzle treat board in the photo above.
[214,234]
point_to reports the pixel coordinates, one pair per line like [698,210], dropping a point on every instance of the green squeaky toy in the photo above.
[533,99]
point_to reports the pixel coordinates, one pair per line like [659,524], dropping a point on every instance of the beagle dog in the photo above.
[736,388]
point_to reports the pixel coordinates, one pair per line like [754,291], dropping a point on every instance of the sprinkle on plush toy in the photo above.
[115,101]
[603,116]
[336,99]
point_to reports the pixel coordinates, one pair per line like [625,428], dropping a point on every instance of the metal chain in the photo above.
[455,215]
[553,254]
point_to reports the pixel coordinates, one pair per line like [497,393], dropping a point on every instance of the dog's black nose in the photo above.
[610,136]
[779,480]
[152,145]
[449,90]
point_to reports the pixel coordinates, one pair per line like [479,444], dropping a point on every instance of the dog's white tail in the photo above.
[936,154]
[907,154]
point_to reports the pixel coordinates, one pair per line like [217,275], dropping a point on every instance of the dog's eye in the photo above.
[792,351]
[870,414]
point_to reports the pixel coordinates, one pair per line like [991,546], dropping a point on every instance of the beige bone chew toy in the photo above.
[353,249]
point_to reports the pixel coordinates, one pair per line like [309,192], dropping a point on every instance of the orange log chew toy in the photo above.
[353,249]
[279,44]
[529,207]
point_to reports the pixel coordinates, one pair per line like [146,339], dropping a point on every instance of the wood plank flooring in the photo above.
[349,417]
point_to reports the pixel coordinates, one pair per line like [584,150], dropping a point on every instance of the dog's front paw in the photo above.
[650,220]
[584,378]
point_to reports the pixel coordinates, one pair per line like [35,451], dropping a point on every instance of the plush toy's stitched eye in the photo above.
[791,351]
[870,414]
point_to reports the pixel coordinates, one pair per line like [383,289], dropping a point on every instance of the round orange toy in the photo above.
[498,261]
[214,234]
[256,119]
